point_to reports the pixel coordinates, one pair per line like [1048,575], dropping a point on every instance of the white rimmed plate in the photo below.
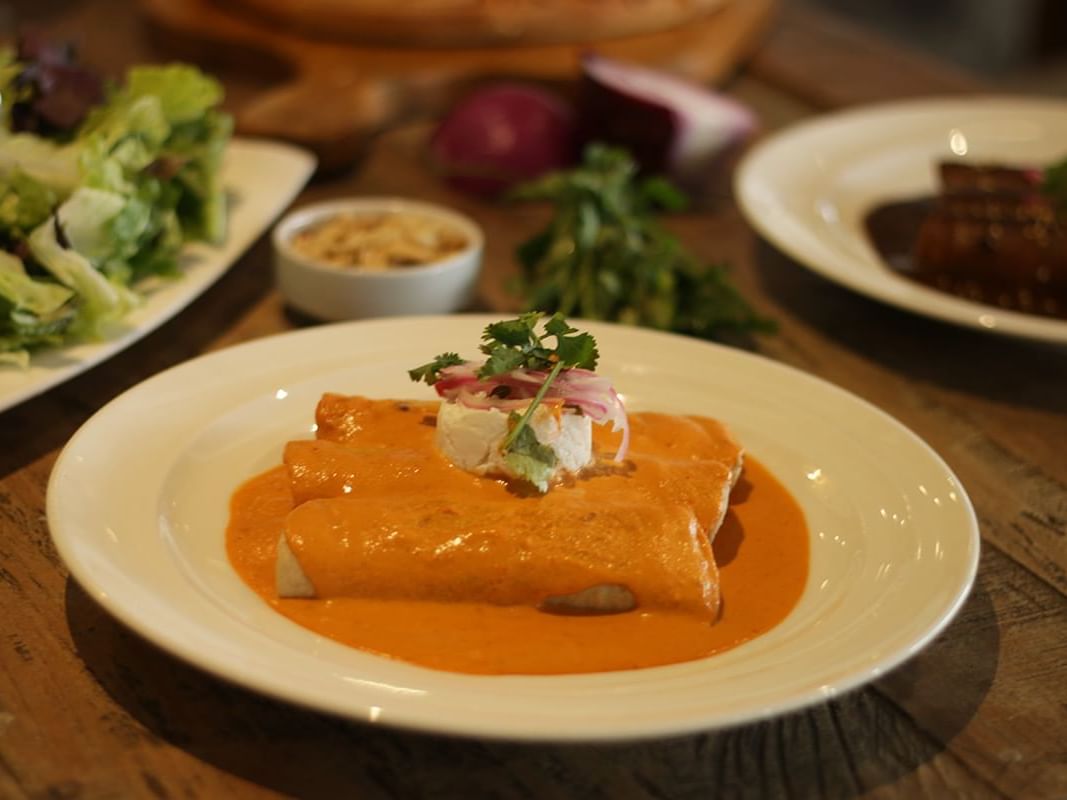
[261,178]
[137,506]
[807,189]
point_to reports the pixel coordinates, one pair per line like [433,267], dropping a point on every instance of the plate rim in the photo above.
[474,726]
[220,262]
[915,298]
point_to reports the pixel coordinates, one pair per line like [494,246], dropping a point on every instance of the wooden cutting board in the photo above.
[332,95]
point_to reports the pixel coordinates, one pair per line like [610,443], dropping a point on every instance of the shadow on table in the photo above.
[857,742]
[1027,373]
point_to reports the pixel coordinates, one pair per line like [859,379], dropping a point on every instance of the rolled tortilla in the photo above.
[354,419]
[604,598]
[289,576]
[373,477]
[322,469]
[500,554]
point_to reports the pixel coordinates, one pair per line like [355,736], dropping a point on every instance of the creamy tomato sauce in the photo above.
[761,551]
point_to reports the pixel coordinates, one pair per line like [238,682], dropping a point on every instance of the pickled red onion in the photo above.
[590,393]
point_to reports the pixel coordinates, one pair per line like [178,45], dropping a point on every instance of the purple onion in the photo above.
[503,134]
[670,125]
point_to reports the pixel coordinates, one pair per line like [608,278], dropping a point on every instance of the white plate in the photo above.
[261,178]
[137,505]
[808,188]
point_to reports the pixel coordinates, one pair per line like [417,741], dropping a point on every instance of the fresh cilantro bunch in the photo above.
[516,344]
[1054,185]
[605,255]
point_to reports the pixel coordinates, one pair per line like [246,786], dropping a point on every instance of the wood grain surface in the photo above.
[89,710]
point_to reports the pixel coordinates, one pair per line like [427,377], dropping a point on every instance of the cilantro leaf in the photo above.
[512,332]
[578,351]
[1054,185]
[501,360]
[528,458]
[431,372]
[557,326]
[514,343]
[664,194]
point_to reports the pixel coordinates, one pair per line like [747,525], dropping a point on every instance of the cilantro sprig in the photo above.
[431,372]
[516,344]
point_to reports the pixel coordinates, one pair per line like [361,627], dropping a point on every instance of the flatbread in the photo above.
[474,23]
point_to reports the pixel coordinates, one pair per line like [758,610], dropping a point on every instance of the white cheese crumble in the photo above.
[471,438]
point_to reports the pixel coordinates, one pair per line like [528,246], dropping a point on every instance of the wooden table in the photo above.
[89,710]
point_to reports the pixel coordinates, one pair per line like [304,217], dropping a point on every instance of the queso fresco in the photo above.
[497,532]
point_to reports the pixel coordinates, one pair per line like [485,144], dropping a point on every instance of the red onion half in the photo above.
[503,134]
[667,123]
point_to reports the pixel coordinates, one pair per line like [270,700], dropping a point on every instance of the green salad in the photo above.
[100,186]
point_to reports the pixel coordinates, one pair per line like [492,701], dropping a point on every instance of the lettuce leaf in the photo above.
[32,312]
[201,147]
[100,300]
[185,93]
[107,207]
[41,298]
[24,204]
[165,117]
[84,219]
[47,163]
